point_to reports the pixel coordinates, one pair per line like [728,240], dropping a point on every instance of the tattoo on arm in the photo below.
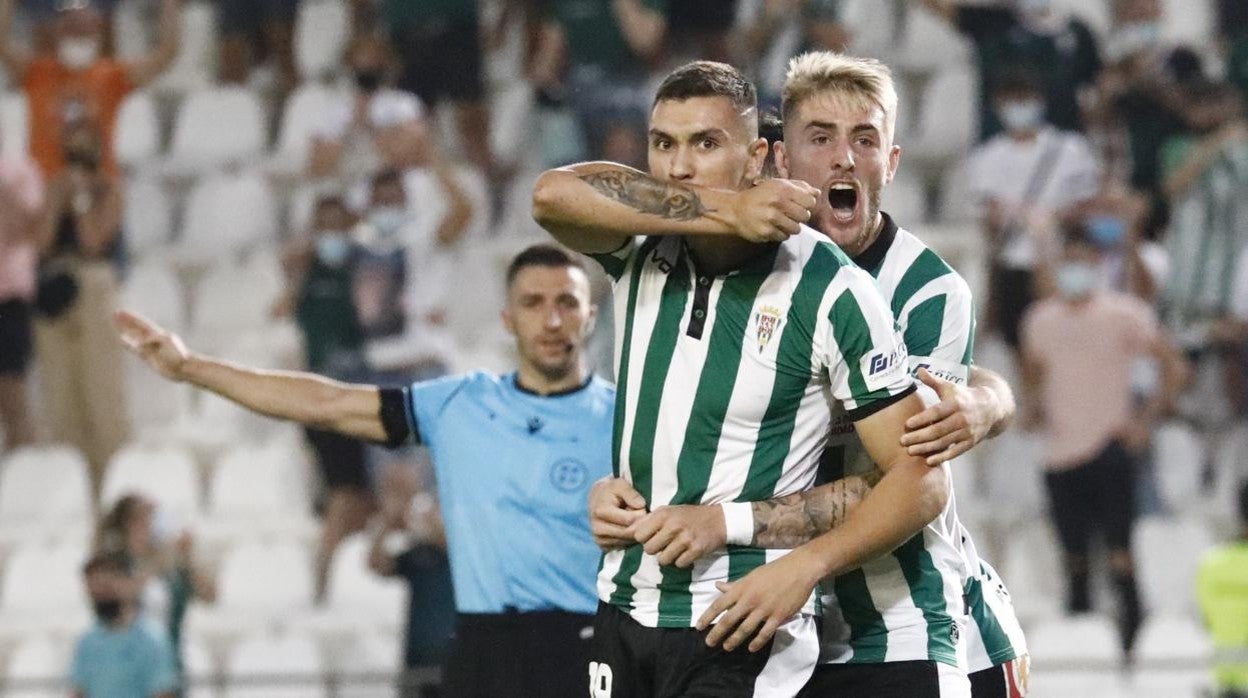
[787,522]
[648,195]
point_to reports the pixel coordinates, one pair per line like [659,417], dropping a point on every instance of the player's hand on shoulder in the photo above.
[952,426]
[773,209]
[755,606]
[162,350]
[614,508]
[681,535]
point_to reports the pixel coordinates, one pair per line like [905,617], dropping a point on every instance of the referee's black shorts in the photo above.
[538,654]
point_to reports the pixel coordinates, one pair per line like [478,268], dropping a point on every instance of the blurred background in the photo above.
[188,159]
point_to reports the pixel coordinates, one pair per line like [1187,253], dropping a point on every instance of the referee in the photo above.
[514,454]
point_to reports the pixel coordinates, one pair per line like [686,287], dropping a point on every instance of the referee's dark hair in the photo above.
[708,79]
[542,255]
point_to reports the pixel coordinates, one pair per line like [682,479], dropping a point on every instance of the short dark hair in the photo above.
[1015,81]
[110,561]
[542,255]
[1074,231]
[387,176]
[770,127]
[708,79]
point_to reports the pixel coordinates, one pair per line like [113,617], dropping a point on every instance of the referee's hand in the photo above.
[614,508]
[159,348]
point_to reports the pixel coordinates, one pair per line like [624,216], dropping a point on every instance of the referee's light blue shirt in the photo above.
[514,471]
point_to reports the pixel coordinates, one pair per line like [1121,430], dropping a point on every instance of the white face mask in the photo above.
[1022,116]
[1133,38]
[77,53]
[388,221]
[1077,279]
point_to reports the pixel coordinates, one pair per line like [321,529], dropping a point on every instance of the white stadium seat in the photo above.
[148,218]
[196,64]
[230,299]
[44,494]
[200,668]
[37,661]
[1167,554]
[357,590]
[14,124]
[321,34]
[948,116]
[905,199]
[930,42]
[1089,639]
[366,658]
[217,127]
[1179,458]
[227,215]
[1187,22]
[513,123]
[258,492]
[136,136]
[258,663]
[1168,637]
[166,474]
[1032,568]
[266,579]
[872,27]
[304,112]
[43,592]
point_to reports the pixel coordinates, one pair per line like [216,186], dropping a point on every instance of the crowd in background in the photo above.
[1138,143]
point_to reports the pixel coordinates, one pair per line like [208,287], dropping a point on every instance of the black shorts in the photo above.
[630,660]
[917,679]
[1099,494]
[442,65]
[1012,293]
[342,461]
[250,16]
[16,337]
[539,654]
[997,682]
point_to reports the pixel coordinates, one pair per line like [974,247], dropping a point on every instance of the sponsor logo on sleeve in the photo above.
[882,369]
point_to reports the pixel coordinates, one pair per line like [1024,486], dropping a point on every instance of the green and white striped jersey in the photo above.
[909,605]
[726,387]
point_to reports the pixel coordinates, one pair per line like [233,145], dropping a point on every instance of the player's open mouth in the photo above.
[843,198]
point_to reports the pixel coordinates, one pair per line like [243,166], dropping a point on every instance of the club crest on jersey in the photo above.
[766,322]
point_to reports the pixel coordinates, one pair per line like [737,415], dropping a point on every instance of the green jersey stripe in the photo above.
[654,374]
[621,396]
[1000,649]
[853,337]
[925,268]
[706,419]
[868,634]
[927,591]
[923,326]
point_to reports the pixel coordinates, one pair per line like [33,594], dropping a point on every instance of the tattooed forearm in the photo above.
[788,522]
[647,194]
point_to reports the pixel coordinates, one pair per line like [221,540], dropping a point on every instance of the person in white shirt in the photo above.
[1023,180]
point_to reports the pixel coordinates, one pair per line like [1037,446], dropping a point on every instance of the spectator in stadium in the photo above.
[405,273]
[21,205]
[79,362]
[1221,587]
[79,82]
[1023,180]
[321,295]
[377,127]
[1027,35]
[514,454]
[252,30]
[1204,177]
[608,47]
[167,577]
[125,655]
[1077,355]
[438,43]
[702,28]
[410,543]
[762,34]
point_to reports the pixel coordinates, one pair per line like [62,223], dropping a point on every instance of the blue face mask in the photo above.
[388,220]
[1107,232]
[333,248]
[1077,280]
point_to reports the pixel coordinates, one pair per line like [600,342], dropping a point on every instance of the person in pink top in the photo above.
[1078,348]
[21,201]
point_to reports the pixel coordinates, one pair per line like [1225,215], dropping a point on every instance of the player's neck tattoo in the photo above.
[648,195]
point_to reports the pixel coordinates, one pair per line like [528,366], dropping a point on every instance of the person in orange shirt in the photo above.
[78,82]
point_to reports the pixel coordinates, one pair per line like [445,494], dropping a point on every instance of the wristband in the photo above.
[738,522]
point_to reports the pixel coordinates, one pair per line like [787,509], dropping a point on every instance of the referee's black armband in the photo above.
[394,417]
[871,408]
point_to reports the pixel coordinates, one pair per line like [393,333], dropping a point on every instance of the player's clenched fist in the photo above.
[773,209]
[614,508]
[681,535]
[161,349]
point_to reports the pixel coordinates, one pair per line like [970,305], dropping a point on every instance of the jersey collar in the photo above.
[871,258]
[515,380]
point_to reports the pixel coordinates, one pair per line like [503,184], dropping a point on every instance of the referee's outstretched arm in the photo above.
[306,398]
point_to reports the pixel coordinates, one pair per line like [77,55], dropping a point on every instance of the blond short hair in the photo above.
[863,80]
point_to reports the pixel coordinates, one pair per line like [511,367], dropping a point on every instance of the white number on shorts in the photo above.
[600,678]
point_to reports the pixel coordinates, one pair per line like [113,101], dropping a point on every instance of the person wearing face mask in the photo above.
[1014,35]
[376,126]
[321,295]
[78,364]
[126,654]
[1078,349]
[168,580]
[1023,179]
[77,80]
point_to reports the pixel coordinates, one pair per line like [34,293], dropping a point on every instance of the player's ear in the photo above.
[781,155]
[591,321]
[758,157]
[508,322]
[894,159]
